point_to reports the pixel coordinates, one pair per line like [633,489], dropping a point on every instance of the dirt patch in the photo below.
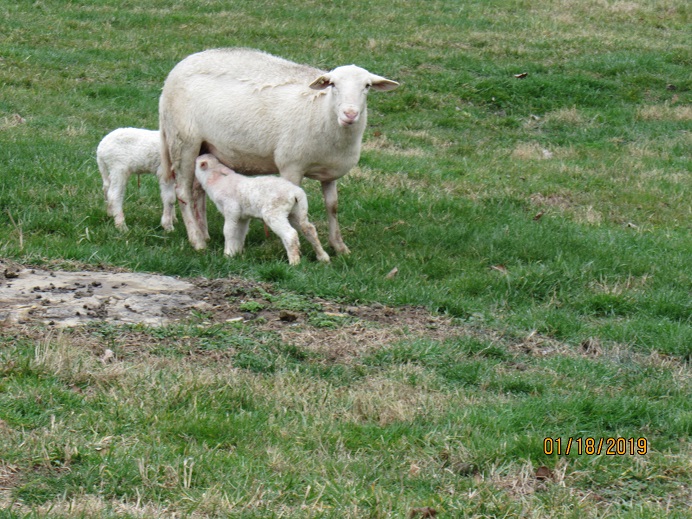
[74,299]
[32,299]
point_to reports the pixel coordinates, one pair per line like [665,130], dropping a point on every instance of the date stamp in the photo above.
[595,446]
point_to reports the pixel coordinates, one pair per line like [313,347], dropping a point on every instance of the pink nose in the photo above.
[351,115]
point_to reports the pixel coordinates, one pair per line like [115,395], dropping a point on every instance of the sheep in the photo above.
[126,151]
[282,205]
[260,114]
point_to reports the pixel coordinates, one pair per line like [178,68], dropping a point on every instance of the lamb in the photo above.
[282,205]
[260,114]
[126,151]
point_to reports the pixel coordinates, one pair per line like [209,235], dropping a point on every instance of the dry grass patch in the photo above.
[91,506]
[382,144]
[632,283]
[526,479]
[429,138]
[9,477]
[561,202]
[433,186]
[531,151]
[344,344]
[11,121]
[384,401]
[587,214]
[665,112]
[566,116]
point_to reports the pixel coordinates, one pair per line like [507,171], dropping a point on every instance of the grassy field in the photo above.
[541,227]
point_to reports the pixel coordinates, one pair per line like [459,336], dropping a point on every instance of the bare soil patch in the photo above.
[34,299]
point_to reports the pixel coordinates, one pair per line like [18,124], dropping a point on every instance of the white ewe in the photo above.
[282,205]
[260,114]
[126,151]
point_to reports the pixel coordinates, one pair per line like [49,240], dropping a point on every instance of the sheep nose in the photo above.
[351,114]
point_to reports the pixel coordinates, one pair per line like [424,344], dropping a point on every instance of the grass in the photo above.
[549,215]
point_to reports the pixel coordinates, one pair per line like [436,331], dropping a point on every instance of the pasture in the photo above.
[530,182]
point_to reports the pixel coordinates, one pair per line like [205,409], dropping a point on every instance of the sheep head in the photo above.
[349,86]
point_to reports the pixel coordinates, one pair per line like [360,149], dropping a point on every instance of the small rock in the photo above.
[392,273]
[543,473]
[108,356]
[288,316]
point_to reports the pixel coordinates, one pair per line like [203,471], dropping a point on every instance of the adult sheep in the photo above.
[260,114]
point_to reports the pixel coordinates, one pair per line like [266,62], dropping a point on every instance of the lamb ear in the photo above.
[321,82]
[382,84]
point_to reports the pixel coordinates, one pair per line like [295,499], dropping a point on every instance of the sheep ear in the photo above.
[382,84]
[321,82]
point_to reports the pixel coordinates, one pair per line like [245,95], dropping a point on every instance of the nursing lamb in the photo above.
[282,205]
[120,154]
[260,114]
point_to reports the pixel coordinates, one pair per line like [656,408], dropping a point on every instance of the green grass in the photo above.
[543,212]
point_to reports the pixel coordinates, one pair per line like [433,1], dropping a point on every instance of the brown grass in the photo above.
[665,112]
[382,144]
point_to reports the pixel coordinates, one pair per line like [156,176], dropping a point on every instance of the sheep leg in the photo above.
[184,190]
[300,222]
[105,176]
[241,232]
[168,198]
[200,204]
[115,197]
[234,231]
[288,235]
[331,203]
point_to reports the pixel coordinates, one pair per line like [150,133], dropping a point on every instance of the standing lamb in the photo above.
[260,114]
[126,151]
[282,205]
